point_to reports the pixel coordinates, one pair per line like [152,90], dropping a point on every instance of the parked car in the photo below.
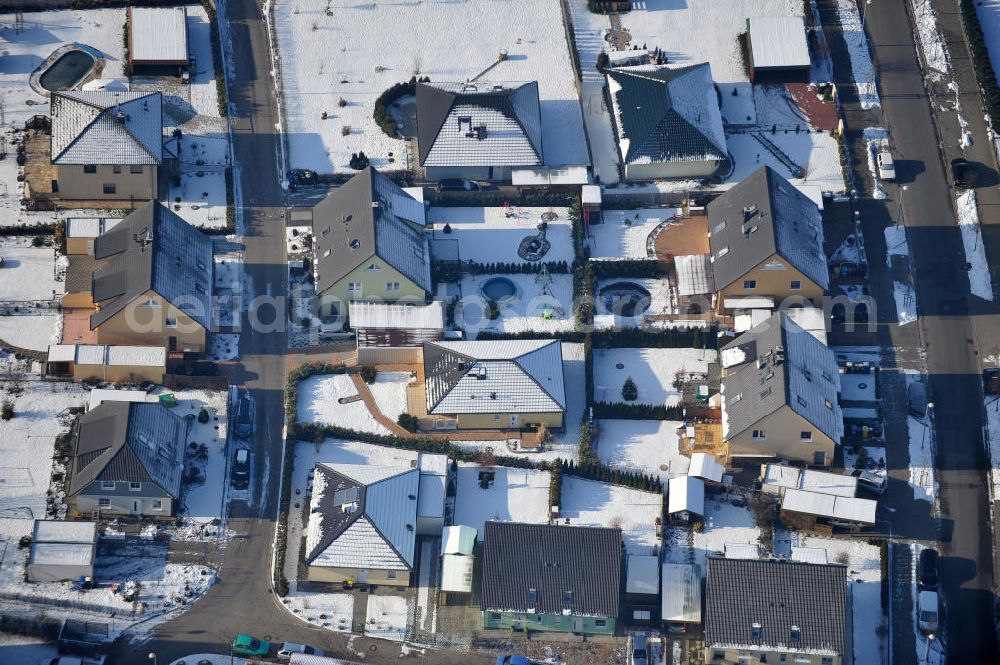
[916,394]
[639,655]
[886,167]
[991,381]
[240,474]
[288,648]
[963,174]
[928,612]
[458,185]
[927,569]
[871,481]
[247,645]
[244,422]
[510,659]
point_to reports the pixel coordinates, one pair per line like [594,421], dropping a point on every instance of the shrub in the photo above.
[203,416]
[381,113]
[341,102]
[7,410]
[368,374]
[602,61]
[630,392]
[637,411]
[408,422]
[555,483]
[446,229]
[359,161]
[492,310]
[37,241]
[346,131]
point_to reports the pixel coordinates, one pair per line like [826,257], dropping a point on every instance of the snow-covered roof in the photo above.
[106,127]
[433,464]
[479,124]
[157,35]
[809,554]
[666,114]
[686,493]
[363,516]
[694,275]
[458,539]
[457,572]
[706,467]
[111,355]
[64,531]
[590,194]
[494,376]
[785,477]
[778,42]
[742,551]
[385,316]
[850,509]
[810,319]
[100,395]
[549,176]
[61,554]
[89,227]
[642,574]
[681,597]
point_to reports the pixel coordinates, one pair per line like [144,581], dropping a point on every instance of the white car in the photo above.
[927,612]
[886,167]
[289,648]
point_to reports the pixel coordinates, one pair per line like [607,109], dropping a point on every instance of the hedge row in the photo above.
[981,60]
[605,474]
[634,268]
[631,411]
[528,198]
[667,338]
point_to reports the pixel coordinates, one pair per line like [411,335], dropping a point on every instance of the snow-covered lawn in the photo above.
[27,440]
[591,503]
[516,495]
[343,50]
[723,524]
[876,139]
[906,302]
[27,650]
[647,446]
[520,312]
[862,70]
[387,617]
[623,233]
[333,400]
[929,37]
[980,283]
[389,391]
[654,372]
[816,153]
[333,611]
[31,331]
[488,235]
[29,273]
[224,346]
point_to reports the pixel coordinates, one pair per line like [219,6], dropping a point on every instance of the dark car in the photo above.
[963,174]
[240,475]
[927,569]
[244,422]
[458,185]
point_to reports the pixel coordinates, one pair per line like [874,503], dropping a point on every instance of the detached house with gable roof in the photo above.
[776,611]
[106,145]
[151,282]
[369,245]
[766,239]
[478,130]
[127,460]
[362,524]
[780,394]
[667,121]
[504,384]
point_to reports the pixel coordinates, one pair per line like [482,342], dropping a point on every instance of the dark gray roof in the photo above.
[777,595]
[666,114]
[552,560]
[369,215]
[777,363]
[102,127]
[129,442]
[508,113]
[153,249]
[765,214]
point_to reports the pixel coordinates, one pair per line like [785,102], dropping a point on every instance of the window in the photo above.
[718,655]
[157,504]
[170,322]
[567,597]
[827,660]
[90,168]
[495,616]
[805,436]
[110,188]
[107,484]
[722,252]
[391,575]
[116,169]
[721,226]
[134,487]
[795,635]
[819,458]
[737,397]
[795,284]
[354,286]
[135,168]
[55,186]
[749,284]
[392,286]
[828,404]
[801,400]
[103,502]
[600,623]
[755,631]
[373,268]
[759,434]
[532,597]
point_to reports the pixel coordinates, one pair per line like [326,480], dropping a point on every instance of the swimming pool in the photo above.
[625,299]
[496,288]
[67,71]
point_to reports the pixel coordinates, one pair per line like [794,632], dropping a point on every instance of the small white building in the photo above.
[62,550]
[685,497]
[778,48]
[157,36]
[705,466]
[457,559]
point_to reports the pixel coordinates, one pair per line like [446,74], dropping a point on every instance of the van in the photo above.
[886,167]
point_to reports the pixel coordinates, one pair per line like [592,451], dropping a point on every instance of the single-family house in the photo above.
[667,121]
[157,37]
[151,282]
[780,392]
[106,145]
[362,524]
[127,460]
[369,244]
[508,384]
[478,130]
[62,550]
[769,610]
[548,577]
[766,239]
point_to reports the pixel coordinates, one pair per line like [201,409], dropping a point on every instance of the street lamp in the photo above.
[900,213]
[152,657]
